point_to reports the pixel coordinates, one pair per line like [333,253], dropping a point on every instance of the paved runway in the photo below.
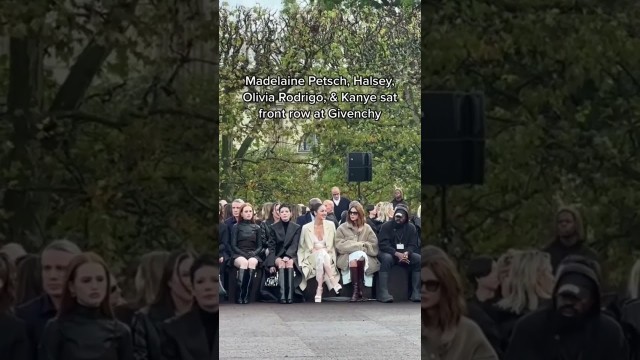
[330,330]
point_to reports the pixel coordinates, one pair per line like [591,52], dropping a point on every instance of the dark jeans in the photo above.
[387,261]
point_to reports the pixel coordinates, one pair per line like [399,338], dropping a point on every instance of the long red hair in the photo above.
[69,302]
[253,217]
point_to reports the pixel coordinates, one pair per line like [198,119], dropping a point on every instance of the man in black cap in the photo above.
[398,243]
[574,327]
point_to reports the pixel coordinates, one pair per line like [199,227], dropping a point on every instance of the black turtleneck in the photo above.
[88,312]
[210,323]
[285,225]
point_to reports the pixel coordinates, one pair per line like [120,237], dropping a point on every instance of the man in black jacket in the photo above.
[235,211]
[570,237]
[340,203]
[54,261]
[398,243]
[574,327]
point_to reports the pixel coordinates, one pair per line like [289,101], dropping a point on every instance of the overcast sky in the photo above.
[270,4]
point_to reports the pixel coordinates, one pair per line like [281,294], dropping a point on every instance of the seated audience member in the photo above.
[248,243]
[398,241]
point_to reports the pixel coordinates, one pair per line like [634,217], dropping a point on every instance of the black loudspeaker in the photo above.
[359,167]
[453,138]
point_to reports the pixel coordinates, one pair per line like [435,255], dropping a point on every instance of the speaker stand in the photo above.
[445,233]
[359,197]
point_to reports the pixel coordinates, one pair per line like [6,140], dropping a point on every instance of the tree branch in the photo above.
[89,62]
[83,117]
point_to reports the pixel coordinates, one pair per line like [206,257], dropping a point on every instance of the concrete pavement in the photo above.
[329,330]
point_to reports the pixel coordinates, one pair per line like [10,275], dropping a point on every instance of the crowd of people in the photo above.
[66,304]
[529,304]
[335,241]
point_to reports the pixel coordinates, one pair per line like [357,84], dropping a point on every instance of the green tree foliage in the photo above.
[107,125]
[562,85]
[378,4]
[259,158]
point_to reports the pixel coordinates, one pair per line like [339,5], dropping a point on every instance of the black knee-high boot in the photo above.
[283,289]
[239,287]
[290,286]
[247,285]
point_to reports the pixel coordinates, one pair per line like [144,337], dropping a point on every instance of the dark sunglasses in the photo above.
[431,285]
[353,213]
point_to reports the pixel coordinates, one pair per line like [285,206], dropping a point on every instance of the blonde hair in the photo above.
[633,287]
[149,275]
[529,269]
[383,210]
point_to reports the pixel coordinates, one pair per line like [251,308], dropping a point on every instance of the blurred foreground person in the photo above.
[194,335]
[28,279]
[14,343]
[36,313]
[85,327]
[173,298]
[14,252]
[529,287]
[446,334]
[574,327]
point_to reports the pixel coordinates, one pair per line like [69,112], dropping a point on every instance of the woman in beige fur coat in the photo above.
[357,247]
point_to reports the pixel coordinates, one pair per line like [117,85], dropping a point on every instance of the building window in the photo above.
[307,144]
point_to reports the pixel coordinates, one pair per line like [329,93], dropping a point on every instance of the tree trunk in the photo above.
[24,103]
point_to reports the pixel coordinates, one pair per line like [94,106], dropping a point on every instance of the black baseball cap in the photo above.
[576,285]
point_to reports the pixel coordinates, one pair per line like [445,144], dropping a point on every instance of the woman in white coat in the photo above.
[316,252]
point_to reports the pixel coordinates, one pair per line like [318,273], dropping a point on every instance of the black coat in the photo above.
[243,230]
[389,237]
[14,342]
[185,337]
[375,225]
[145,327]
[281,244]
[223,241]
[505,321]
[85,334]
[36,313]
[230,222]
[395,203]
[343,205]
[304,219]
[558,251]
